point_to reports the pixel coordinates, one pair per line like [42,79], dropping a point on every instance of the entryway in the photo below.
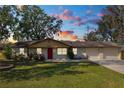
[50,53]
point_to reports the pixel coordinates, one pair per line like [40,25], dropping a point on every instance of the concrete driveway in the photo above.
[116,65]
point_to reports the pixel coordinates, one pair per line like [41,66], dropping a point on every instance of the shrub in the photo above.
[70,53]
[30,56]
[8,51]
[37,57]
[41,57]
[21,59]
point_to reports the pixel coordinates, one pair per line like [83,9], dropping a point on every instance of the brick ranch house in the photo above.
[54,49]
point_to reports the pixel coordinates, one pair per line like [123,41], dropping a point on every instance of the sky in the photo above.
[77,19]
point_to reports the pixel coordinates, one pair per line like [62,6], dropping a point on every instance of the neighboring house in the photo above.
[54,49]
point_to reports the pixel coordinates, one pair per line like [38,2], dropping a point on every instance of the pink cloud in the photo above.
[81,22]
[67,35]
[66,15]
[100,14]
[77,18]
[73,37]
[78,23]
[67,12]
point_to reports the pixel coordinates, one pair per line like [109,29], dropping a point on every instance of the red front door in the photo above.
[50,53]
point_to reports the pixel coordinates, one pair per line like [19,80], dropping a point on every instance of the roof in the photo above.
[87,44]
[90,44]
[23,43]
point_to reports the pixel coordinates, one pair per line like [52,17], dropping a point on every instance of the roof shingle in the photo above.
[87,44]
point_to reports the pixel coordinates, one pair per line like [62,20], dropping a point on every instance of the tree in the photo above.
[7,21]
[91,36]
[70,53]
[111,26]
[8,51]
[35,24]
[28,23]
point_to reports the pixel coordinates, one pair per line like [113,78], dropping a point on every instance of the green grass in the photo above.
[61,75]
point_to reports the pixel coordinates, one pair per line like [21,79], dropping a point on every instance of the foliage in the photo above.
[36,57]
[92,36]
[21,59]
[7,21]
[8,51]
[110,27]
[41,57]
[35,24]
[27,23]
[70,53]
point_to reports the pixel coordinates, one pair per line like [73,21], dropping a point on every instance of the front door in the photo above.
[50,53]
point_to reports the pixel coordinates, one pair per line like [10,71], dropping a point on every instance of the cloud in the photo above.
[93,21]
[89,12]
[80,23]
[67,12]
[100,14]
[77,18]
[67,35]
[73,37]
[66,15]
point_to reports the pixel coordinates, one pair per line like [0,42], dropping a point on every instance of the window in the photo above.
[21,50]
[39,51]
[75,51]
[62,51]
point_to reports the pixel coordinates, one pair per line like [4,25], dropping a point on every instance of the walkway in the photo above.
[66,60]
[116,65]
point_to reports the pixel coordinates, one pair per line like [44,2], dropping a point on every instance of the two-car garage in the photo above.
[103,53]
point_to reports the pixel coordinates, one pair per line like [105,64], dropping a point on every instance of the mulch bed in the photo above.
[7,67]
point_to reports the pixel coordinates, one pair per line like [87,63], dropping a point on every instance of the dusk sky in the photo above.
[76,19]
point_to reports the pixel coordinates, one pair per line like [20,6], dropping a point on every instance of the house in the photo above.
[54,49]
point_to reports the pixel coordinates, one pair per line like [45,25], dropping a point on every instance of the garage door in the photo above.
[110,53]
[92,53]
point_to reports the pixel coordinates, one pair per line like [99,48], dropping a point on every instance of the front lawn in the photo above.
[61,75]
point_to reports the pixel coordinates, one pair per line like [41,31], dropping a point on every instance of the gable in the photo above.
[48,43]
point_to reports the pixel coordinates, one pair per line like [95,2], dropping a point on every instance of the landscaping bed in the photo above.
[6,64]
